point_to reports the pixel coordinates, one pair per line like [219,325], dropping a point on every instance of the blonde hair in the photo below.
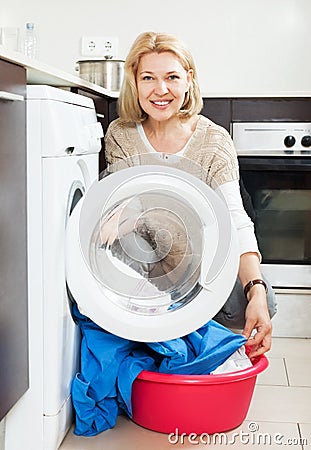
[128,105]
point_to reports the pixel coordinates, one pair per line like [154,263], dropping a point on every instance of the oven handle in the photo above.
[296,291]
[302,164]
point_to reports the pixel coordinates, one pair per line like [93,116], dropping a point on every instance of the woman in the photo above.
[159,108]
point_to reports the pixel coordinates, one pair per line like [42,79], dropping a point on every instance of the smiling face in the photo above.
[162,83]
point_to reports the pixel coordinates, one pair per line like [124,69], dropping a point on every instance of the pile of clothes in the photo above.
[109,365]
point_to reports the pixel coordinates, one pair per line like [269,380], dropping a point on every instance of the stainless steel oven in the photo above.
[275,169]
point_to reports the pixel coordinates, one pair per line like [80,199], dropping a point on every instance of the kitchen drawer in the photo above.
[294,312]
[12,78]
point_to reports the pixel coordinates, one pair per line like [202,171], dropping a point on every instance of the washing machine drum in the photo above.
[151,253]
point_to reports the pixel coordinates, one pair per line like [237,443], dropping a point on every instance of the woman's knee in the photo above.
[271,299]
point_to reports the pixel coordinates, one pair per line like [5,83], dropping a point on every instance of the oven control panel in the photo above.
[272,138]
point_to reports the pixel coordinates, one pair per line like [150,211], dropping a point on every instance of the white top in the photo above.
[230,192]
[142,134]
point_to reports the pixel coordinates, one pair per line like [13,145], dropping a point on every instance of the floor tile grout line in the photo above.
[288,377]
[303,440]
[293,422]
[286,372]
[284,386]
[300,435]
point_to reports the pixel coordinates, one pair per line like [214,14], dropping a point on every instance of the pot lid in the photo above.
[151,252]
[97,59]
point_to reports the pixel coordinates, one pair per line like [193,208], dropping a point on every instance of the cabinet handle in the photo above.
[11,97]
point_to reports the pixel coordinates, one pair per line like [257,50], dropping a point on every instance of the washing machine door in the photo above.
[151,253]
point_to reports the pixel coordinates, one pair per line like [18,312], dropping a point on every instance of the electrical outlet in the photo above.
[99,46]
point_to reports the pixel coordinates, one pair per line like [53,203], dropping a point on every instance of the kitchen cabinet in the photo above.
[224,111]
[271,109]
[218,110]
[13,237]
[106,109]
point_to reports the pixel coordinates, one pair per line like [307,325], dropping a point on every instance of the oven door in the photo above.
[280,191]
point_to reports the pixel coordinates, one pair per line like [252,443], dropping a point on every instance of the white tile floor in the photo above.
[279,416]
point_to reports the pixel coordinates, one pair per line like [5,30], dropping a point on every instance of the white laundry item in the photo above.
[237,361]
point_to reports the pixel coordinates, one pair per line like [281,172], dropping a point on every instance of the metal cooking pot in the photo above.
[107,73]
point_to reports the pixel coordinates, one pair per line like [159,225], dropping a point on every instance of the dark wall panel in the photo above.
[13,240]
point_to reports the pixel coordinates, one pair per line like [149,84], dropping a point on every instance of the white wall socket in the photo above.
[99,46]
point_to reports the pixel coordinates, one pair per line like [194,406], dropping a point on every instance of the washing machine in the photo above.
[64,139]
[167,271]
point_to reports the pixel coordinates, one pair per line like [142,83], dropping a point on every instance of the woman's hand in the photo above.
[256,314]
[257,318]
[120,222]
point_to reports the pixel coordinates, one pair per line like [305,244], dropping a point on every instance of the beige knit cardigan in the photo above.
[210,150]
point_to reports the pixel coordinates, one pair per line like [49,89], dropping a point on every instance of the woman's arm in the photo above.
[256,315]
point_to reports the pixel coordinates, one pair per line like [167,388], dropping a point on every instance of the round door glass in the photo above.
[147,250]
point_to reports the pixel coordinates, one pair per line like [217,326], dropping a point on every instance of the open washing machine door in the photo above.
[151,253]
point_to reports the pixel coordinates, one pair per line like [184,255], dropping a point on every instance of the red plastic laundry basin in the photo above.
[194,403]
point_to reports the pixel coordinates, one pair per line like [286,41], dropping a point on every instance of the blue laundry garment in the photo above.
[109,365]
[200,352]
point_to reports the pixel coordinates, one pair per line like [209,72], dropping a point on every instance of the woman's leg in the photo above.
[232,314]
